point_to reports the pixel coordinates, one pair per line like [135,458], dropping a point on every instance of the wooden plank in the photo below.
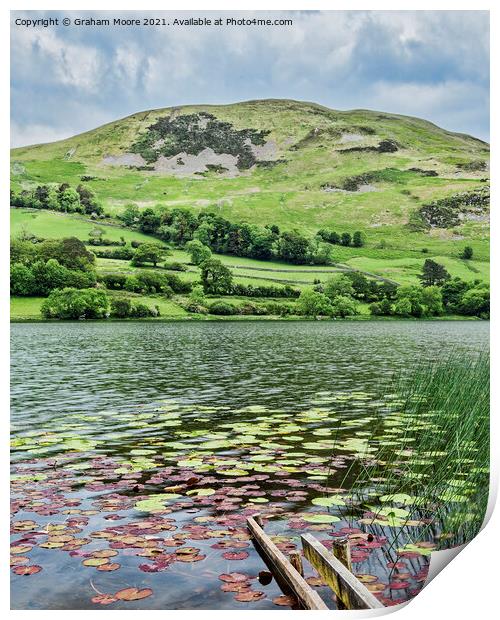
[351,592]
[283,571]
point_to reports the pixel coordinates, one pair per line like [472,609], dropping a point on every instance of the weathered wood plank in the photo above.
[283,570]
[349,590]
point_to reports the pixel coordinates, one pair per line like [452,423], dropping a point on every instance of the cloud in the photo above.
[68,64]
[21,135]
[433,64]
[442,102]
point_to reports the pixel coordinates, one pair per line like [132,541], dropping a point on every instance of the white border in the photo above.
[468,585]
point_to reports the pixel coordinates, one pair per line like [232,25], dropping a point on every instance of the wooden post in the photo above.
[287,577]
[296,562]
[348,589]
[342,551]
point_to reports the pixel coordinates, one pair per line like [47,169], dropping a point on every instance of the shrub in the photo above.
[121,307]
[343,306]
[467,253]
[222,308]
[22,281]
[71,303]
[124,307]
[175,266]
[113,281]
[313,303]
[278,309]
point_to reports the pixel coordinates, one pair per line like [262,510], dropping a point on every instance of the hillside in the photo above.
[415,190]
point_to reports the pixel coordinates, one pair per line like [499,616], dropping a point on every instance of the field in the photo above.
[309,153]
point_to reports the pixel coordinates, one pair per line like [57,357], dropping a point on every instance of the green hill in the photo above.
[415,190]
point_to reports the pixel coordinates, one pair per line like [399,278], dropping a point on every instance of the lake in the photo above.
[140,448]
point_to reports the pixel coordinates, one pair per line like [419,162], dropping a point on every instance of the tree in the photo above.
[343,306]
[358,239]
[261,242]
[71,303]
[402,307]
[148,253]
[321,253]
[313,303]
[476,301]
[88,200]
[130,215]
[339,285]
[330,236]
[22,251]
[293,248]
[149,221]
[345,239]
[409,301]
[70,252]
[22,281]
[121,307]
[69,201]
[433,273]
[432,300]
[198,251]
[381,308]
[197,295]
[467,253]
[216,278]
[360,284]
[452,291]
[41,195]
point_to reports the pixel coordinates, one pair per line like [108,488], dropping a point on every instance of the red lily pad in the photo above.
[27,570]
[235,587]
[233,577]
[133,594]
[240,555]
[111,566]
[285,601]
[20,549]
[399,585]
[104,553]
[103,599]
[249,596]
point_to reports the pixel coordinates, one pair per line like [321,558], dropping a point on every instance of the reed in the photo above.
[432,454]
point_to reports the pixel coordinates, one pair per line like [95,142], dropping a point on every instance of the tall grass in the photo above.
[432,457]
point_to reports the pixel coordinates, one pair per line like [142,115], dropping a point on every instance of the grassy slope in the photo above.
[289,194]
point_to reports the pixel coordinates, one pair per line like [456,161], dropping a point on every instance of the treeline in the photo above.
[39,268]
[221,236]
[63,198]
[357,240]
[439,294]
[146,282]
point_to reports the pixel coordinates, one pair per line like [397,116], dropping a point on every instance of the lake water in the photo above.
[107,415]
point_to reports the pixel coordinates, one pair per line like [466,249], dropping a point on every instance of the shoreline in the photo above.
[235,319]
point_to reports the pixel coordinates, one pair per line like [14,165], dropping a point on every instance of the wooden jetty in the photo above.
[334,568]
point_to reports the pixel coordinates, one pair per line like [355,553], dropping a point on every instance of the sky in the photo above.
[430,64]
